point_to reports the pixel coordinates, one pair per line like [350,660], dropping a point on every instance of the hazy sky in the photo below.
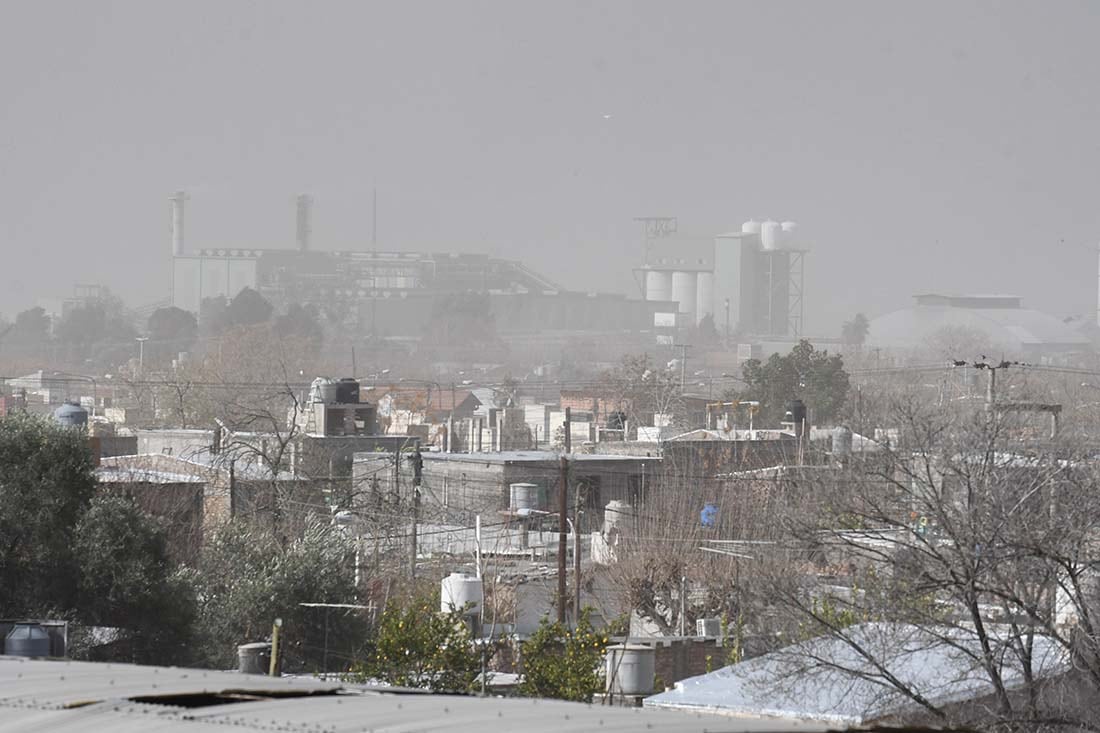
[921,146]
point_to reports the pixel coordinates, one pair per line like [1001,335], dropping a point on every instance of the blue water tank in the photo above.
[709,516]
[71,414]
[27,640]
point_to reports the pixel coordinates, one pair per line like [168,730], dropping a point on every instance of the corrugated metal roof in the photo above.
[826,681]
[40,695]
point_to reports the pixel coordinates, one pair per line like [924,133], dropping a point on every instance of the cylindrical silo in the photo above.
[658,285]
[683,291]
[704,296]
[790,235]
[770,234]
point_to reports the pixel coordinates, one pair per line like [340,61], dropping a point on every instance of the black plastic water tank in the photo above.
[796,413]
[347,391]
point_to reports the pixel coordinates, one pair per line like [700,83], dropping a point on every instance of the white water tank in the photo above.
[683,291]
[630,669]
[752,226]
[771,232]
[523,497]
[704,296]
[617,515]
[658,285]
[789,239]
[459,591]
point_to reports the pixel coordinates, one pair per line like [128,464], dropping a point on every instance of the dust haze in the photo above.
[921,147]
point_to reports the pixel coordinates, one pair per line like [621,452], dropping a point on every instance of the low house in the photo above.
[480,482]
[199,493]
[825,681]
[399,407]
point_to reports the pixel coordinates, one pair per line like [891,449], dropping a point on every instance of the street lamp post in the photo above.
[141,353]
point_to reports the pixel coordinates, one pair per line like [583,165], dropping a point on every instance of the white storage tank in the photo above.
[658,285]
[630,669]
[459,591]
[789,239]
[617,515]
[752,226]
[704,296]
[770,234]
[523,497]
[683,291]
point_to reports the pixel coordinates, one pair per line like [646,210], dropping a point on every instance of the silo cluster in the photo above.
[744,278]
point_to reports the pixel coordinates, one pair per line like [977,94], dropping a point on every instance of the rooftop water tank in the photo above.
[796,413]
[254,658]
[71,414]
[771,233]
[347,391]
[323,389]
[27,640]
[523,497]
[617,515]
[752,226]
[461,592]
[630,669]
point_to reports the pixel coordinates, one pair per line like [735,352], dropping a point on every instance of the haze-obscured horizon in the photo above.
[929,146]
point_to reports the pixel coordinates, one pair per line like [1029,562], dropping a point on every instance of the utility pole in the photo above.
[576,555]
[563,484]
[418,466]
[683,363]
[568,432]
[727,323]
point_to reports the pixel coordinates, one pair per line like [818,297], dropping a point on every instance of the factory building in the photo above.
[749,280]
[1003,320]
[394,293]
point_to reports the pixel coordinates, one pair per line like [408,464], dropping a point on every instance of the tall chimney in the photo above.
[177,221]
[305,204]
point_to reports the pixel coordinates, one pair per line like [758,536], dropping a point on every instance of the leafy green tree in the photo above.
[249,308]
[302,323]
[246,579]
[418,646]
[46,483]
[127,580]
[854,332]
[171,330]
[97,329]
[31,328]
[562,663]
[806,373]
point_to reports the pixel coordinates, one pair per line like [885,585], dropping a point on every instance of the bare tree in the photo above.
[981,543]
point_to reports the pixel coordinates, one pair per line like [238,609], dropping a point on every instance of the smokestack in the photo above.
[305,204]
[177,222]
